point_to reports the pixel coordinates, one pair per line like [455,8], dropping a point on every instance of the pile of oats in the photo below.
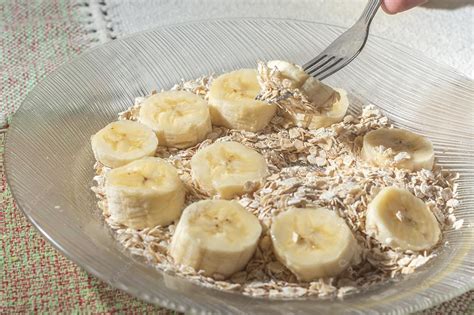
[308,168]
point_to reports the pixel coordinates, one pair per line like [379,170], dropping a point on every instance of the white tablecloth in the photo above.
[442,29]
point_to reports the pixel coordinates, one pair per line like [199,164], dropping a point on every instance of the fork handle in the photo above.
[370,11]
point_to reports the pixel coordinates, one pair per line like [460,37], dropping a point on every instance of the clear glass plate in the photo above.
[49,160]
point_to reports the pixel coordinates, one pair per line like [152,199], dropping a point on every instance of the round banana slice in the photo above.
[330,105]
[122,142]
[180,119]
[229,169]
[216,236]
[144,193]
[232,102]
[294,74]
[406,149]
[313,243]
[400,220]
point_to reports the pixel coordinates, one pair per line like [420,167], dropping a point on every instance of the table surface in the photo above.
[38,35]
[442,29]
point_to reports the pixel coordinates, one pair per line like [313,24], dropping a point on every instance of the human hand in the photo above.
[396,6]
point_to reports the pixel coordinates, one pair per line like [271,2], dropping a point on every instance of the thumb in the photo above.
[396,6]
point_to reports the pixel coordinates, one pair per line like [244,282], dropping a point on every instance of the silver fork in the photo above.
[345,48]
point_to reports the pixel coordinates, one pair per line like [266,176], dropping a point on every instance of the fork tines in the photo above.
[321,64]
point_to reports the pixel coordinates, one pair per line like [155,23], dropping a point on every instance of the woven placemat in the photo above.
[36,37]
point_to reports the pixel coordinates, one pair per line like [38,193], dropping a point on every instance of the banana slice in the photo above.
[216,236]
[330,105]
[294,74]
[400,220]
[232,102]
[122,142]
[144,193]
[313,243]
[180,119]
[406,149]
[229,169]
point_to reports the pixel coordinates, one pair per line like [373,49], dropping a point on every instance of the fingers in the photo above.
[396,6]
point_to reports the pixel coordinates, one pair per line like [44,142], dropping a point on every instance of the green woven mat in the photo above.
[35,37]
